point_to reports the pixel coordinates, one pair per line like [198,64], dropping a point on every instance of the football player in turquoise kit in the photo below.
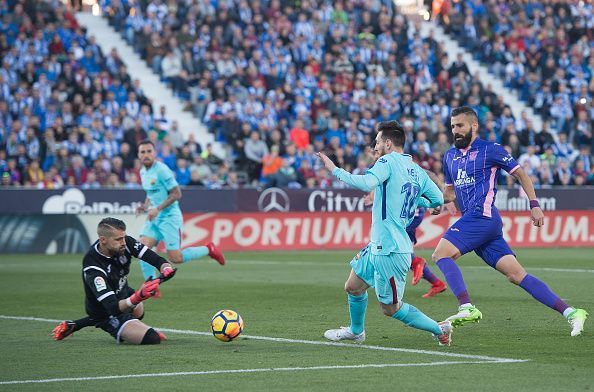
[384,263]
[471,170]
[165,221]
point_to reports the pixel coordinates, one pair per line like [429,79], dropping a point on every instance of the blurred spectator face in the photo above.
[146,154]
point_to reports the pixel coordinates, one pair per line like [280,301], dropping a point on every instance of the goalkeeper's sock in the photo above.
[357,310]
[543,294]
[413,317]
[428,275]
[148,271]
[454,278]
[82,323]
[193,253]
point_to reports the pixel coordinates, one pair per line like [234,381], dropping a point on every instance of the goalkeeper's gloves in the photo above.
[149,289]
[166,274]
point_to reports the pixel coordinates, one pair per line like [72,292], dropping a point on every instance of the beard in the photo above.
[462,141]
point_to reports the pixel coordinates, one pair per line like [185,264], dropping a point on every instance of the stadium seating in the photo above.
[275,84]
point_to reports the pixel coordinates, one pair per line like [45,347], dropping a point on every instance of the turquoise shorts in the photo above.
[385,273]
[167,229]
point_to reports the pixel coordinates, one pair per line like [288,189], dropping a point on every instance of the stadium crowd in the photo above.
[274,82]
[543,49]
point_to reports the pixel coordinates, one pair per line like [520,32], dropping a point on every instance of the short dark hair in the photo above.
[146,141]
[107,225]
[393,131]
[465,110]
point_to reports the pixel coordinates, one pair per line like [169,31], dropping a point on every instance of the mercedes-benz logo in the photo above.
[274,199]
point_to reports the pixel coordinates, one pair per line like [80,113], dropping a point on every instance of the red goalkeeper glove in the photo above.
[149,289]
[166,274]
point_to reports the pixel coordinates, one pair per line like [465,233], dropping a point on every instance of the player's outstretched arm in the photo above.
[535,211]
[366,182]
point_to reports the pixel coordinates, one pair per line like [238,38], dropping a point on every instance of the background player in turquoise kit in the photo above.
[165,221]
[471,170]
[400,185]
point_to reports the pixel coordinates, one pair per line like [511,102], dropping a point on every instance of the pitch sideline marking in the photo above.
[312,342]
[256,370]
[264,262]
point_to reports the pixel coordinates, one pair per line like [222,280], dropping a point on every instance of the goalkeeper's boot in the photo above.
[417,265]
[63,330]
[436,288]
[445,338]
[576,319]
[344,333]
[215,253]
[466,314]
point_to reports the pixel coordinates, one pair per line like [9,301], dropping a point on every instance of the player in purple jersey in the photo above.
[471,171]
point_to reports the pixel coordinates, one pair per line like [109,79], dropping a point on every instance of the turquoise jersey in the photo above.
[157,181]
[400,184]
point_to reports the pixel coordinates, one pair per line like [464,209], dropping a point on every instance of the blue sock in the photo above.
[413,317]
[194,253]
[542,293]
[428,275]
[148,271]
[357,309]
[453,276]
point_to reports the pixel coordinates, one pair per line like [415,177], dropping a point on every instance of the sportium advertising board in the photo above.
[289,231]
[55,234]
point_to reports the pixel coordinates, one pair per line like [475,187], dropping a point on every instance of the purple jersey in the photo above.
[474,172]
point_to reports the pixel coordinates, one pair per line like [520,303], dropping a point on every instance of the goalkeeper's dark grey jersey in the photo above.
[105,278]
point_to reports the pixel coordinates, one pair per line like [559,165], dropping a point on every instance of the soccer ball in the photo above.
[226,325]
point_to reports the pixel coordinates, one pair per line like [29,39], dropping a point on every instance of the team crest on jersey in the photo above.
[122,283]
[383,160]
[100,283]
[472,155]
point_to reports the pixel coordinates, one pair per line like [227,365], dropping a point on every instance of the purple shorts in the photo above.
[481,234]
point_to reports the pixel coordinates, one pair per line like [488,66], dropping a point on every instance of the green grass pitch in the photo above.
[296,296]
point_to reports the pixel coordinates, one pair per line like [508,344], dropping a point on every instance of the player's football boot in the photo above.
[215,253]
[466,314]
[161,335]
[344,333]
[436,288]
[417,265]
[63,330]
[576,319]
[445,338]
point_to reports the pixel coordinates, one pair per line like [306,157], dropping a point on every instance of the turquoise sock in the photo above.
[413,317]
[148,271]
[194,253]
[357,309]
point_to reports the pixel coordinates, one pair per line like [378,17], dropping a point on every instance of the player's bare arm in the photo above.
[173,195]
[326,161]
[535,211]
[143,207]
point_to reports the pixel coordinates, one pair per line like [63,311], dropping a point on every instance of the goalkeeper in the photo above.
[110,303]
